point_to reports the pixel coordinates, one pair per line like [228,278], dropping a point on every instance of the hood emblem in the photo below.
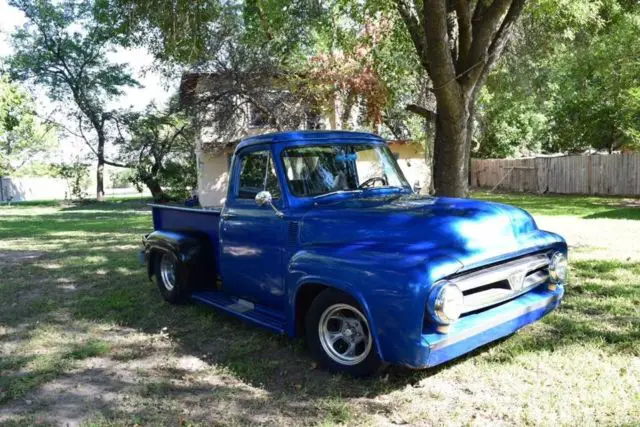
[516,280]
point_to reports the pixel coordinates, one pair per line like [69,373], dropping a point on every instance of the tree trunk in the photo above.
[429,146]
[451,153]
[100,180]
[100,169]
[156,190]
[458,44]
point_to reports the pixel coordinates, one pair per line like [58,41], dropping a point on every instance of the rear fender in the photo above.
[188,246]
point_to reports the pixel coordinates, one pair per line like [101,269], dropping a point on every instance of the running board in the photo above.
[243,309]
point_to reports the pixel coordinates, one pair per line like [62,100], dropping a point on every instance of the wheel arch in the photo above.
[308,288]
[189,248]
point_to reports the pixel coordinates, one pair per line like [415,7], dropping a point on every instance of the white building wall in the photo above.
[413,164]
[37,188]
[213,178]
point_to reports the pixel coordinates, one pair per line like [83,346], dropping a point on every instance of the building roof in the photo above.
[188,91]
[308,135]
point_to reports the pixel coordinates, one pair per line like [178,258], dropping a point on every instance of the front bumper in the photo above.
[475,330]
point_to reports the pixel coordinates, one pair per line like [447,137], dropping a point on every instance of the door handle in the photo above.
[228,215]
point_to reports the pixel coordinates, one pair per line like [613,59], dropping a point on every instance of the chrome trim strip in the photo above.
[470,303]
[214,210]
[495,321]
[499,272]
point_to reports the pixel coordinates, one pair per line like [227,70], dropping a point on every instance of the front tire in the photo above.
[170,277]
[339,336]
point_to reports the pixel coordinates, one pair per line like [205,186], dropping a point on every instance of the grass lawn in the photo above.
[85,338]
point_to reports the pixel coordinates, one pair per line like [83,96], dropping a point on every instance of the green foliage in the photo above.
[510,124]
[186,32]
[172,30]
[122,178]
[315,51]
[571,81]
[601,83]
[22,134]
[37,168]
[63,49]
[76,175]
[160,148]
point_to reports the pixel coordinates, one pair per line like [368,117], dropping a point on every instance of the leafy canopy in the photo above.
[23,136]
[571,81]
[63,49]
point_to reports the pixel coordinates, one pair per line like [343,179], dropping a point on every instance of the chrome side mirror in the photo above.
[417,187]
[265,198]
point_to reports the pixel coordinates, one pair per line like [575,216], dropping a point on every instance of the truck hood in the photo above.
[466,232]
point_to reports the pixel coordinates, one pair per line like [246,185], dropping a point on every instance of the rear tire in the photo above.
[339,336]
[171,277]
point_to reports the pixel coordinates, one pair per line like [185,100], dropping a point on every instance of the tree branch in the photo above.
[83,136]
[499,42]
[463,14]
[486,23]
[442,72]
[415,26]
[421,111]
[119,165]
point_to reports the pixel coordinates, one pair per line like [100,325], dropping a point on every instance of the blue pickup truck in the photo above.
[321,236]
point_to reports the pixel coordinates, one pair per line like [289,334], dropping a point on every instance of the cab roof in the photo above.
[307,135]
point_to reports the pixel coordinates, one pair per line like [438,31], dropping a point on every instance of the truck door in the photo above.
[252,237]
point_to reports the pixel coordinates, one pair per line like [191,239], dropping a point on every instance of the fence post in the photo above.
[590,174]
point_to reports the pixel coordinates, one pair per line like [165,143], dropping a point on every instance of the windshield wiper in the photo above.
[331,193]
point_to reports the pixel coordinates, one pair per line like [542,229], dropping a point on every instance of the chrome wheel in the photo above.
[344,334]
[168,271]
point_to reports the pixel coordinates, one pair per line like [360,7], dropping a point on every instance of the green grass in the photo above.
[85,336]
[577,206]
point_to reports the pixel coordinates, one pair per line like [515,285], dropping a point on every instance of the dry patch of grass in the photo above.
[86,339]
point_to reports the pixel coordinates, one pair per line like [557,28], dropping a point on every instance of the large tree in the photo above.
[159,147]
[458,42]
[64,49]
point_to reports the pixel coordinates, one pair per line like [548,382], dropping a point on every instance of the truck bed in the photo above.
[179,218]
[168,217]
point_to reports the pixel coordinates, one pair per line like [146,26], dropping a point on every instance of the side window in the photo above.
[257,173]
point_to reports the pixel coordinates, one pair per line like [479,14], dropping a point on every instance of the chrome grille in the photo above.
[499,283]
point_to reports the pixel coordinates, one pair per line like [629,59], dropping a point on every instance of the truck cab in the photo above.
[321,236]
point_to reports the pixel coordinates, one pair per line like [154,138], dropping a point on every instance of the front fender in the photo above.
[393,303]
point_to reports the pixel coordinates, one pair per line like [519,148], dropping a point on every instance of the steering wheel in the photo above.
[369,182]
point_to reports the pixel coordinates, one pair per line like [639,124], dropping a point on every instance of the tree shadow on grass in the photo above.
[619,213]
[115,205]
[588,207]
[114,291]
[111,288]
[45,228]
[281,365]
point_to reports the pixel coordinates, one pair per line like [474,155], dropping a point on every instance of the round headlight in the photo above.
[445,302]
[558,268]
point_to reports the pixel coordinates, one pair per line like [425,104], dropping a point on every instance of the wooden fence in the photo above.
[615,174]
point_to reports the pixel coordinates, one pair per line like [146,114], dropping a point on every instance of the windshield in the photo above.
[314,170]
